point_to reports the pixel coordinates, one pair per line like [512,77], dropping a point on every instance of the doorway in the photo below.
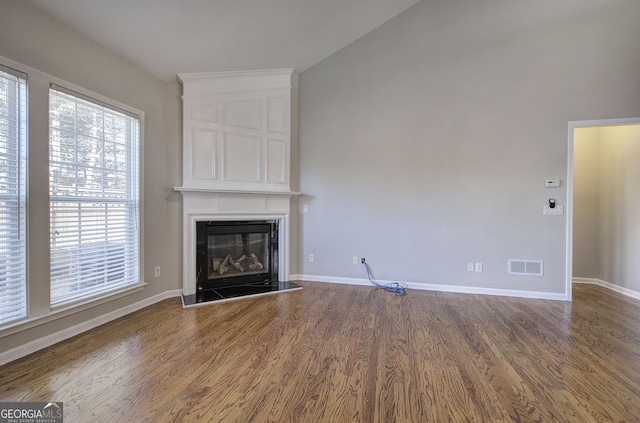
[602,205]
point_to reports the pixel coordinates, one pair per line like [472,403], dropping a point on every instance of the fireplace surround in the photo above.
[220,207]
[236,171]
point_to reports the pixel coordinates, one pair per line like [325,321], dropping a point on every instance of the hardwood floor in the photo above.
[335,353]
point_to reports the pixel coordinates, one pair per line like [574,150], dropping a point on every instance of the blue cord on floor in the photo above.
[394,287]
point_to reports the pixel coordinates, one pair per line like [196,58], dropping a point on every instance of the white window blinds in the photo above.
[13,118]
[94,197]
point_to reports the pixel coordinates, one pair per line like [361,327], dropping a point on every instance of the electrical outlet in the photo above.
[356,260]
[312,258]
[479,267]
[305,208]
[470,267]
[157,272]
[556,211]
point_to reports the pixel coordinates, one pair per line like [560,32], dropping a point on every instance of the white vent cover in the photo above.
[525,267]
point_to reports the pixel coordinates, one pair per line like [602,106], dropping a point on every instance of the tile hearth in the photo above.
[237,292]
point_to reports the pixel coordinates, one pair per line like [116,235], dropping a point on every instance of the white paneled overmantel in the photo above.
[237,130]
[236,155]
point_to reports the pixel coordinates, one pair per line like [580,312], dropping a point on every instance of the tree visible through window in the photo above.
[94,197]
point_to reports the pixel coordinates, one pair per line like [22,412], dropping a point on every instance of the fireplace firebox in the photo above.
[236,259]
[235,253]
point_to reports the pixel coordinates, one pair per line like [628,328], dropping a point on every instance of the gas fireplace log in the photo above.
[256,263]
[215,264]
[223,267]
[236,264]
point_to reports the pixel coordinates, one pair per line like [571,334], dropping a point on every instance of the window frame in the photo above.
[132,197]
[39,310]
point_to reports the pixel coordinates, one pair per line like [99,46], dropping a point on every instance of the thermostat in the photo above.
[552,183]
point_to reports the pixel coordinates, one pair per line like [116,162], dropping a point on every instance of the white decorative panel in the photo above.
[237,130]
[276,160]
[241,158]
[203,150]
[276,114]
[205,113]
[245,114]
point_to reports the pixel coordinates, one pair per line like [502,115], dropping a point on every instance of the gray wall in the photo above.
[424,145]
[607,205]
[33,39]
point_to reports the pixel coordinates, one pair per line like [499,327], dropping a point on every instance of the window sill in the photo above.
[66,310]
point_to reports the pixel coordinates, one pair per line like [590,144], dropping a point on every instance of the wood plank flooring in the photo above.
[336,353]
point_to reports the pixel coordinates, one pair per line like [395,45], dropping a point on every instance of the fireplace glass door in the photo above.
[235,253]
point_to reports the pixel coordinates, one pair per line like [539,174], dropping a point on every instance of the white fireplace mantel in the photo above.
[236,156]
[235,191]
[237,206]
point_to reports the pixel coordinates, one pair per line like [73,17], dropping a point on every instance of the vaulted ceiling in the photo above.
[167,37]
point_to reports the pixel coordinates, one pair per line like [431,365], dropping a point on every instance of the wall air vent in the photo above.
[525,267]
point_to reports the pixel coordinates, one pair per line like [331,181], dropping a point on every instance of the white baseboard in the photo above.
[329,279]
[46,341]
[441,288]
[608,285]
[588,281]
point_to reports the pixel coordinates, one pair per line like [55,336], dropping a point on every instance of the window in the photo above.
[13,116]
[94,197]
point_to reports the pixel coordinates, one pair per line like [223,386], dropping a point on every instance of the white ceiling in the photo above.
[167,37]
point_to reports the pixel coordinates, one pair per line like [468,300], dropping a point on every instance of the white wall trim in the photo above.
[609,285]
[329,279]
[54,338]
[440,288]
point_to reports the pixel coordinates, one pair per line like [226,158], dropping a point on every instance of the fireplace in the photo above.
[238,208]
[225,226]
[232,253]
